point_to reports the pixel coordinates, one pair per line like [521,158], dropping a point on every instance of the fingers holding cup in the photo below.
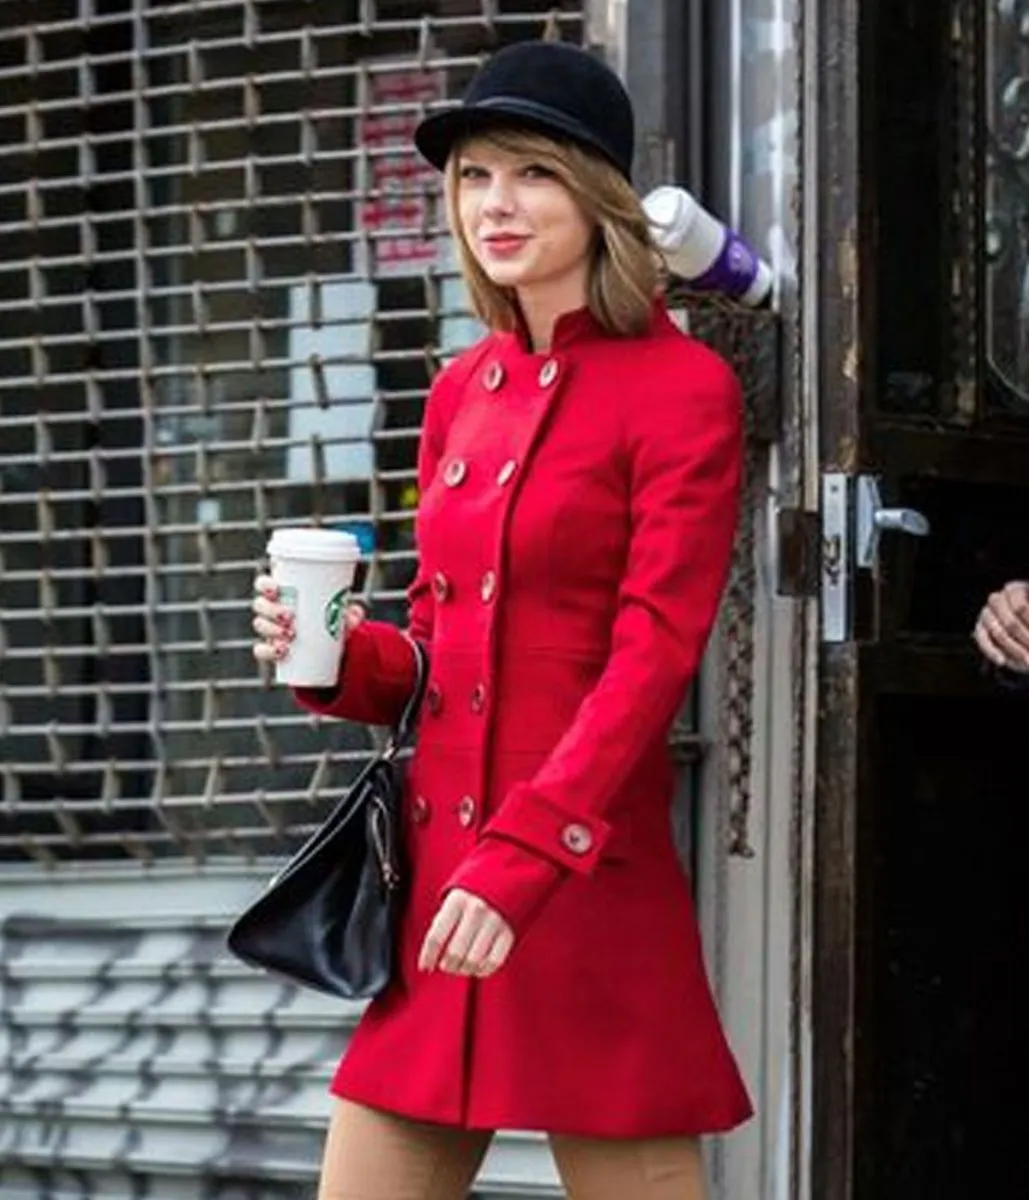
[357,611]
[303,603]
[273,623]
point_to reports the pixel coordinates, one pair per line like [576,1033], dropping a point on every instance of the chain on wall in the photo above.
[749,340]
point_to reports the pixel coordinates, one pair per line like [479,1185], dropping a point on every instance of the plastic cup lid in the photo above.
[319,545]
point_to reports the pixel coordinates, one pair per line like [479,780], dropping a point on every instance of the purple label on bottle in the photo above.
[733,271]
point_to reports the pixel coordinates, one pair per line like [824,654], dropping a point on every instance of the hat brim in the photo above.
[437,135]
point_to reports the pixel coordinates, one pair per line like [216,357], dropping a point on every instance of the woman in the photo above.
[579,472]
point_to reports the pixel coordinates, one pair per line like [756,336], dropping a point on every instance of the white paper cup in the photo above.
[314,570]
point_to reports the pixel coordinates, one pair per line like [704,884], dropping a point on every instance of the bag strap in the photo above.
[405,726]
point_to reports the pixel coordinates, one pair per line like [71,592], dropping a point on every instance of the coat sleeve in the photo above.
[378,669]
[685,453]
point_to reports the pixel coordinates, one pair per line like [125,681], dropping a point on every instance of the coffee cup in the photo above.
[314,571]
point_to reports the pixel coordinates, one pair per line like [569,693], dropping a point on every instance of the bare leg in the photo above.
[630,1168]
[373,1155]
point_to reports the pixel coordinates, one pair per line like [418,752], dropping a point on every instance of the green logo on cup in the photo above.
[334,614]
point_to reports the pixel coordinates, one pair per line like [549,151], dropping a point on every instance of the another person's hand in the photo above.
[466,937]
[1002,631]
[274,623]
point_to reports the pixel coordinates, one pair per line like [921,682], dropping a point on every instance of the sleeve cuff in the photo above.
[513,881]
[569,840]
[376,677]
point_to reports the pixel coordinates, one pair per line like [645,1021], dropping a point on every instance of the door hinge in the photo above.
[798,535]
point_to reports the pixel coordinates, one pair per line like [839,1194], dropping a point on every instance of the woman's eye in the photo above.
[470,172]
[535,171]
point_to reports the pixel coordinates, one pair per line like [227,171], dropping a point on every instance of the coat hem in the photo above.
[525,1123]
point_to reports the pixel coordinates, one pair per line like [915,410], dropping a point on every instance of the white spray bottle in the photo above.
[703,252]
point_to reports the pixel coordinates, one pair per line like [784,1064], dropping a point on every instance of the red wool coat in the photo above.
[576,519]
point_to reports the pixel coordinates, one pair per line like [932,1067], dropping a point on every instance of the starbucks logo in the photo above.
[334,614]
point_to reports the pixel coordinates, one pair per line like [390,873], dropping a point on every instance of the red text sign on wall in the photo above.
[398,178]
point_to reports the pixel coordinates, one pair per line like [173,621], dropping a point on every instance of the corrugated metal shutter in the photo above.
[222,295]
[136,1060]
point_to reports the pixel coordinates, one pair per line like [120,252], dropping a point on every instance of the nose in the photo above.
[499,198]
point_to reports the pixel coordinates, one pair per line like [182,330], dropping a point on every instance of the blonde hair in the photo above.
[624,270]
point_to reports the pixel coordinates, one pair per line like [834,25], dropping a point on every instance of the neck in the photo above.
[542,306]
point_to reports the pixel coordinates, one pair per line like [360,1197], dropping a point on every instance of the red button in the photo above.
[419,810]
[478,700]
[466,812]
[440,586]
[488,587]
[434,699]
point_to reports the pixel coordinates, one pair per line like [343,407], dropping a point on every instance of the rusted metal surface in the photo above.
[836,62]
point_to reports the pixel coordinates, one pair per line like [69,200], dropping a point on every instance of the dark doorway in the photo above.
[922,820]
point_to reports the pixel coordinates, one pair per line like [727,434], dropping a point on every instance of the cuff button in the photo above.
[577,839]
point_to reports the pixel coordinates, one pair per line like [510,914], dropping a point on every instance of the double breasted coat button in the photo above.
[488,586]
[434,699]
[494,377]
[577,839]
[419,810]
[455,472]
[478,700]
[506,472]
[466,812]
[548,373]
[440,587]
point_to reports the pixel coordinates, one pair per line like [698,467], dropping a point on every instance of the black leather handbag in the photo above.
[327,920]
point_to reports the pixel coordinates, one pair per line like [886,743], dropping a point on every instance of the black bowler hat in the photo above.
[553,88]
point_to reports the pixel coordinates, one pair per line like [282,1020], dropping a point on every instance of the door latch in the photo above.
[873,520]
[853,520]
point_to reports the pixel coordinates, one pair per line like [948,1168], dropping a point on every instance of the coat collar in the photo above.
[578,325]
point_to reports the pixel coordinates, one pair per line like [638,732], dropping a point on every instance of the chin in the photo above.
[508,275]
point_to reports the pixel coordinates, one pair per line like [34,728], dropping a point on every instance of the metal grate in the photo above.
[223,291]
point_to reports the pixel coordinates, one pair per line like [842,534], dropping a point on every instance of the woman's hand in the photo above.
[1002,631]
[466,937]
[275,625]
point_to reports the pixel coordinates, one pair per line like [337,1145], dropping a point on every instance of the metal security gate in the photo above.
[222,296]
